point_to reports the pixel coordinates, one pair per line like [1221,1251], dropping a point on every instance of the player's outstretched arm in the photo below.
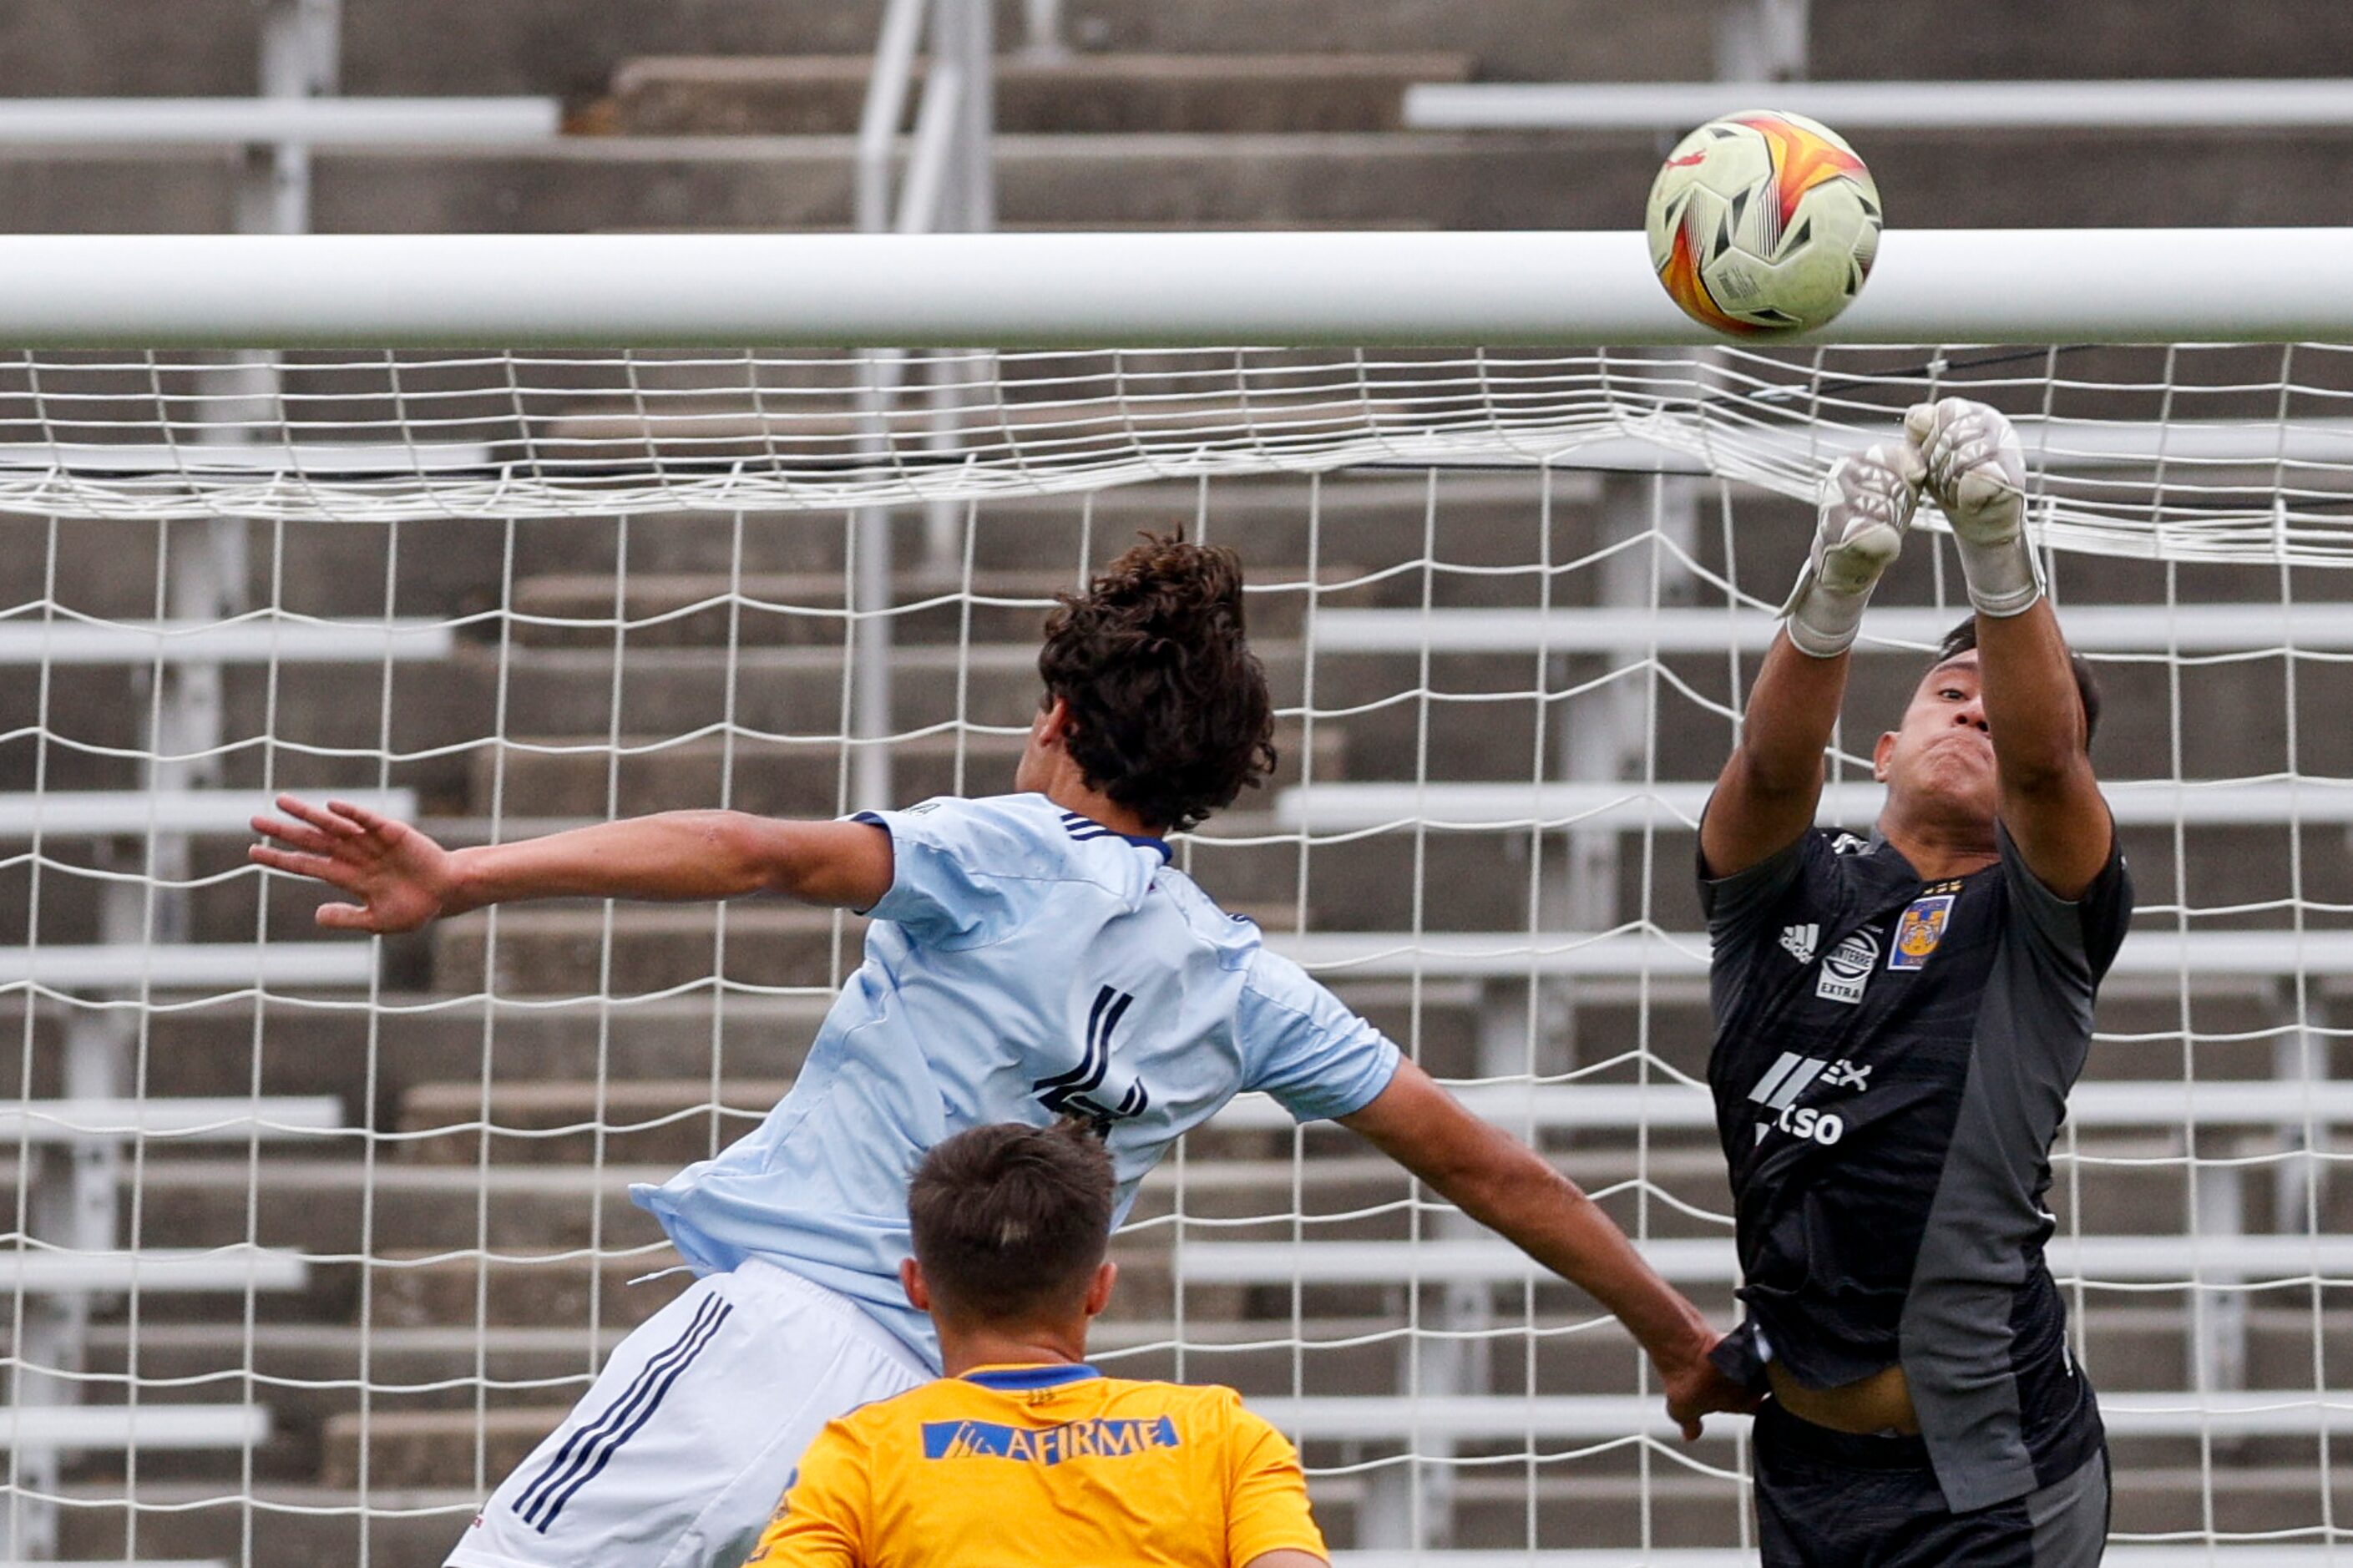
[2050,799]
[1765,795]
[1509,1188]
[398,879]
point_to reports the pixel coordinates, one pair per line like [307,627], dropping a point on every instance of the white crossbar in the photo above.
[2090,1259]
[184,966]
[157,122]
[28,641]
[225,1118]
[1356,290]
[2153,955]
[174,1269]
[120,1427]
[1677,804]
[1598,1417]
[2112,1103]
[2203,105]
[1907,629]
[96,813]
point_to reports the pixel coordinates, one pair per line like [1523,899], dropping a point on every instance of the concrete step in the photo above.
[1456,181]
[561,951]
[644,1121]
[1277,522]
[674,609]
[413,1039]
[775,778]
[434,1449]
[526,1290]
[334,1207]
[677,95]
[546,950]
[573,47]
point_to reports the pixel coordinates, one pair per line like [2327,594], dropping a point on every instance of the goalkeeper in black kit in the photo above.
[1898,1021]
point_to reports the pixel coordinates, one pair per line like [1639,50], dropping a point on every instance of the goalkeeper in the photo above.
[1023,1453]
[1898,1021]
[1032,956]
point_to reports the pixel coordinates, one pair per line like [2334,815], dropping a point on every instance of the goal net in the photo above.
[315,1238]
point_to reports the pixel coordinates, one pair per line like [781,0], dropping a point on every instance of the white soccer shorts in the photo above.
[679,1453]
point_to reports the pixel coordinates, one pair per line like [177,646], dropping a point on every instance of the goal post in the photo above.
[508,533]
[1351,290]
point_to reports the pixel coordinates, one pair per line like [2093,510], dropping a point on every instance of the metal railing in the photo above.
[948,184]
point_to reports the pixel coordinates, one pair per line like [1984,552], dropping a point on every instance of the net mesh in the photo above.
[371,1193]
[2190,453]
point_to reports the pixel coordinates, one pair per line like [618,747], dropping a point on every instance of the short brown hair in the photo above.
[1009,1220]
[1964,637]
[1169,710]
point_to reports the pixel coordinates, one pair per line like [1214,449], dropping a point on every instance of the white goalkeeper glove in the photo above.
[1977,475]
[1866,506]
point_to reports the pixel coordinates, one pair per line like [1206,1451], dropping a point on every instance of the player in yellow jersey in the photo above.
[1023,1454]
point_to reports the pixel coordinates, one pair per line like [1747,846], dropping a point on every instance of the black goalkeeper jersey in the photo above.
[1892,1062]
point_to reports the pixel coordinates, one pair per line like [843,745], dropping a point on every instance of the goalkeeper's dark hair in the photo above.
[1169,710]
[1011,1221]
[1964,637]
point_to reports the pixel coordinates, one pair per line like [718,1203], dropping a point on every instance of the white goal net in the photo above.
[315,1238]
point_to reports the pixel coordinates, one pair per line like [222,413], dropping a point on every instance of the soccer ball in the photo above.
[1763,221]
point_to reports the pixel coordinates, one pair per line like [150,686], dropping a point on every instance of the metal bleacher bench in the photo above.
[1445,1260]
[1677,803]
[180,1270]
[1594,1417]
[109,813]
[29,640]
[2151,959]
[167,122]
[2102,628]
[72,1427]
[2118,105]
[2188,1555]
[1685,1107]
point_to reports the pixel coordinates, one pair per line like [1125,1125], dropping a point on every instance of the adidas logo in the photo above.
[1800,940]
[1785,1079]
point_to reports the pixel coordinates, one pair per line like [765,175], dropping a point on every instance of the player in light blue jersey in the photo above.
[1032,956]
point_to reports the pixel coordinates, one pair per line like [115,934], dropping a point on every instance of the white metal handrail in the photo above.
[2212,105]
[113,123]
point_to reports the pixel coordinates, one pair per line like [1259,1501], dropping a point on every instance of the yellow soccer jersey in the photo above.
[1018,1467]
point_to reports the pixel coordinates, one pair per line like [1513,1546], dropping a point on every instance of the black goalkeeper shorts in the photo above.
[1827,1499]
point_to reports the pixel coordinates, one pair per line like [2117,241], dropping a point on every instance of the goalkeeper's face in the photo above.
[1937,764]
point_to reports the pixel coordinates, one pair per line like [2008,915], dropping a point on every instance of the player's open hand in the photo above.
[1698,1389]
[1975,468]
[398,877]
[1867,507]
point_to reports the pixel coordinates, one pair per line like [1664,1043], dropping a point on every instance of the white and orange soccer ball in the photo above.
[1763,221]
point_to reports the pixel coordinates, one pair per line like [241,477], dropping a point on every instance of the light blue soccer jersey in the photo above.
[1028,963]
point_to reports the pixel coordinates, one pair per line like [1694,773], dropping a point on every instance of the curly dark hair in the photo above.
[1169,710]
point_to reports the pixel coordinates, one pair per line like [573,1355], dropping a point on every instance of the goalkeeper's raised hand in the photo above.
[1866,506]
[398,877]
[1976,473]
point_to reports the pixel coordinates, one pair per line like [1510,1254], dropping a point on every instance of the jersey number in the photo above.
[1072,1093]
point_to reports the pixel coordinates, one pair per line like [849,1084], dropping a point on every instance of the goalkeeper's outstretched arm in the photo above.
[1765,795]
[2034,711]
[398,879]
